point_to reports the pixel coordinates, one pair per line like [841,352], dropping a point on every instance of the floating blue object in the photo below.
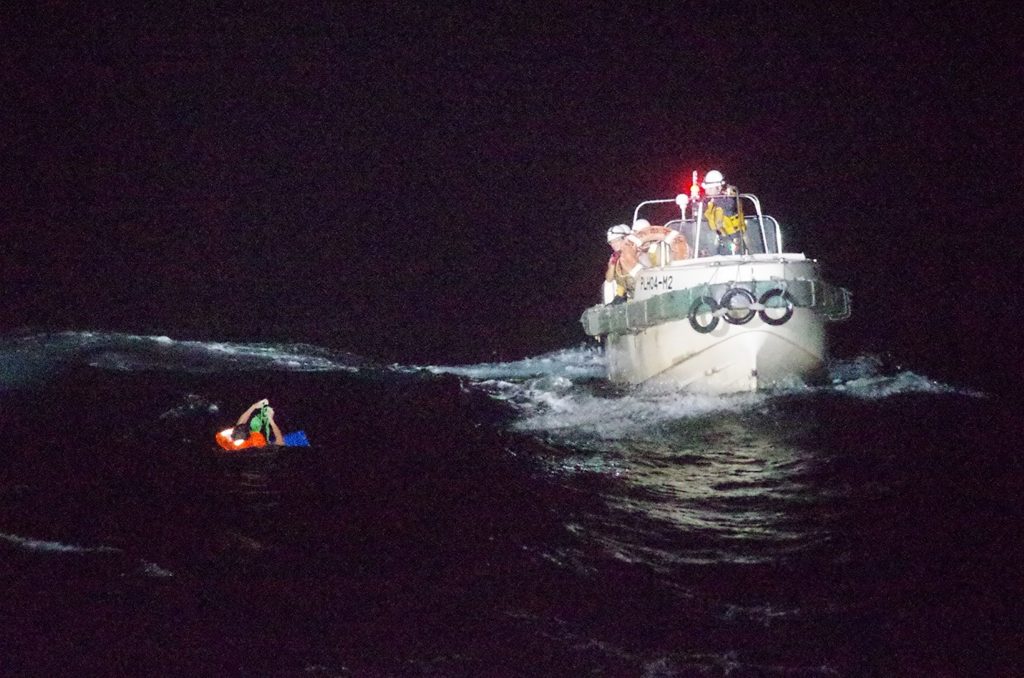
[296,439]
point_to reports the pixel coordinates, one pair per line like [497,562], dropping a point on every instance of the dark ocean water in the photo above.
[519,519]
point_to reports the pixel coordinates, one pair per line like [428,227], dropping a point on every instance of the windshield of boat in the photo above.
[762,231]
[759,240]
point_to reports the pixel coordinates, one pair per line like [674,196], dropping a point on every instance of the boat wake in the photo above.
[564,393]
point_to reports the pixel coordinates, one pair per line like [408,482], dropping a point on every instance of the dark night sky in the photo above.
[420,184]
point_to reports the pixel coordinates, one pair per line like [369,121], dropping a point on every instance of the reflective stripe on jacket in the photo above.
[723,213]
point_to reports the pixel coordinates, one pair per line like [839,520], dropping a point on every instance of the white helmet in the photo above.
[713,178]
[640,224]
[617,231]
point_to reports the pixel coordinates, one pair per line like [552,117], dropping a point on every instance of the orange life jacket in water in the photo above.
[225,440]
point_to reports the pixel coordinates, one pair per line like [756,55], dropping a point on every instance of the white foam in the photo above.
[554,393]
[563,393]
[193,404]
[154,570]
[866,377]
[577,363]
[621,417]
[29,544]
[878,387]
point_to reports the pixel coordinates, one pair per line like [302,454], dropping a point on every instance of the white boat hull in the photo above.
[729,359]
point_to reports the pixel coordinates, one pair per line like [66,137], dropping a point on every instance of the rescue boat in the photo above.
[717,323]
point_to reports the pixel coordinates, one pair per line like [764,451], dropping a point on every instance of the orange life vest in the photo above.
[255,439]
[645,239]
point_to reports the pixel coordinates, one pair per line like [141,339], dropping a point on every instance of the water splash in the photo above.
[564,393]
[581,362]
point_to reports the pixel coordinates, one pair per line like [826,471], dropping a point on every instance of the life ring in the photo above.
[647,237]
[768,296]
[746,313]
[695,310]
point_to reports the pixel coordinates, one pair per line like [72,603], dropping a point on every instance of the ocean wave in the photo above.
[885,386]
[28,360]
[194,404]
[44,546]
[133,353]
[41,545]
[153,570]
[727,664]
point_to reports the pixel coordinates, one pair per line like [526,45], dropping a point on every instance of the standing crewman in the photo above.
[724,214]
[616,279]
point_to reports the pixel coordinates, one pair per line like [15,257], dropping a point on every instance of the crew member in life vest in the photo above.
[614,275]
[246,433]
[724,214]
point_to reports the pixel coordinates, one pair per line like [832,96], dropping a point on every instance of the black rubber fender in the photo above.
[768,296]
[727,299]
[696,307]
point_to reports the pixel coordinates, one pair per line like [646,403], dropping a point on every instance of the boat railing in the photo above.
[663,201]
[707,242]
[754,224]
[764,235]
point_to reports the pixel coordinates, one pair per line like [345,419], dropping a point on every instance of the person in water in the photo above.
[246,433]
[724,215]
